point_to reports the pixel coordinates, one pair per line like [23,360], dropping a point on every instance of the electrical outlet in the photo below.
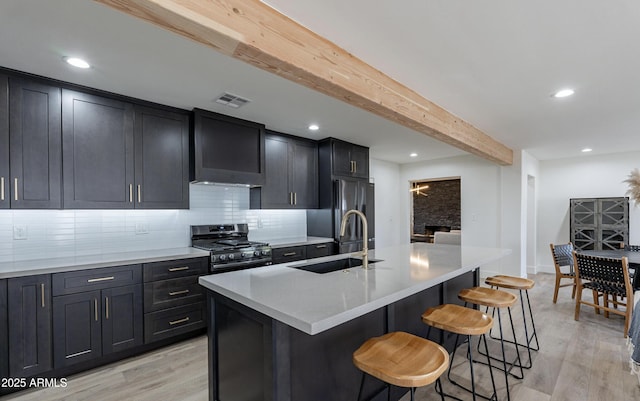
[20,231]
[142,228]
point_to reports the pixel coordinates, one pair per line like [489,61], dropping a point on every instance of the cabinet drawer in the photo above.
[175,268]
[171,322]
[288,254]
[318,250]
[171,293]
[95,279]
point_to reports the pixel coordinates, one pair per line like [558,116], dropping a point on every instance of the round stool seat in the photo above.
[487,297]
[458,319]
[511,282]
[402,359]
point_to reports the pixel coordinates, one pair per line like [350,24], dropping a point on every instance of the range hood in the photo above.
[226,150]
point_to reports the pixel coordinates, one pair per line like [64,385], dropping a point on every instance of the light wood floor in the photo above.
[581,361]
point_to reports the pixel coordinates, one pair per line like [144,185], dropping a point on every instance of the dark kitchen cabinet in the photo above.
[291,181]
[29,315]
[4,142]
[4,341]
[35,168]
[161,159]
[96,312]
[97,151]
[227,149]
[349,160]
[173,298]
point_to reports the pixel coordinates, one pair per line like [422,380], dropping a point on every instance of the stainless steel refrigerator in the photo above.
[346,195]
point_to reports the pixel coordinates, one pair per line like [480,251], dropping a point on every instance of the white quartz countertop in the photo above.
[284,242]
[55,265]
[314,302]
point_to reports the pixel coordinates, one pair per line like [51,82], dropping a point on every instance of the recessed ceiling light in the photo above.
[564,93]
[586,150]
[77,62]
[314,127]
[413,155]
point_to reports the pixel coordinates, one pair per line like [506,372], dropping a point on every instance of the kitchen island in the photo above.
[281,333]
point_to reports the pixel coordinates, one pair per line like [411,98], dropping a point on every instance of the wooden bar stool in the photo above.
[401,359]
[520,284]
[498,299]
[467,322]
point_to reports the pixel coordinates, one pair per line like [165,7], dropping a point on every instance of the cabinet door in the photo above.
[304,174]
[342,163]
[121,318]
[276,192]
[161,159]
[97,152]
[77,328]
[34,136]
[4,341]
[360,158]
[29,314]
[4,142]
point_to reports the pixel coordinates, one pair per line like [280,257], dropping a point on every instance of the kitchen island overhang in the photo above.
[281,333]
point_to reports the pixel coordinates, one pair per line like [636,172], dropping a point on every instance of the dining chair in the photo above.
[608,276]
[563,261]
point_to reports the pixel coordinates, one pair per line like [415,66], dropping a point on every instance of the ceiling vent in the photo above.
[232,100]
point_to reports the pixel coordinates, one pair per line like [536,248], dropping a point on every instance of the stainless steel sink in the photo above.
[332,265]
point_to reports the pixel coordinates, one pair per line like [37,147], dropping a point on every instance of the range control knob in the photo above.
[231,256]
[257,253]
[265,253]
[223,257]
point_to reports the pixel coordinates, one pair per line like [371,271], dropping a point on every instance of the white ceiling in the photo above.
[492,63]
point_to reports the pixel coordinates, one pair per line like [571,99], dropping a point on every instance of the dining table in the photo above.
[633,257]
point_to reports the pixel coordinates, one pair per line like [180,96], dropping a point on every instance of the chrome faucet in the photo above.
[365,229]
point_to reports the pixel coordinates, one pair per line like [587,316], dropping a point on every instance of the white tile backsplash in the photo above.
[68,233]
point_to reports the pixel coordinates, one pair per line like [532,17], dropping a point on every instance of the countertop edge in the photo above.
[58,265]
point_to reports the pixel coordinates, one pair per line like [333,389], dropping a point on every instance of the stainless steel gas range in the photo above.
[229,247]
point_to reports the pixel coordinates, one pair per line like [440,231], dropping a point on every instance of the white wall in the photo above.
[580,177]
[388,220]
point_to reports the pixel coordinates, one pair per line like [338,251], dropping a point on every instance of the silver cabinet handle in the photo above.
[320,246]
[15,188]
[289,254]
[295,198]
[106,301]
[291,198]
[130,193]
[139,193]
[1,188]
[94,280]
[95,308]
[42,293]
[173,293]
[177,269]
[186,319]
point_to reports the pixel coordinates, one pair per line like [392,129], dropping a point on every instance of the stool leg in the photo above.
[413,392]
[361,386]
[441,391]
[473,378]
[504,357]
[533,324]
[493,382]
[526,332]
[519,365]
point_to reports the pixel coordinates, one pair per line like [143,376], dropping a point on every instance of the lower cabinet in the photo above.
[173,299]
[29,325]
[4,342]
[300,252]
[98,318]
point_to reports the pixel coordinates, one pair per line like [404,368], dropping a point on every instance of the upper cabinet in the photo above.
[227,149]
[97,152]
[347,159]
[291,182]
[30,145]
[119,156]
[4,142]
[161,159]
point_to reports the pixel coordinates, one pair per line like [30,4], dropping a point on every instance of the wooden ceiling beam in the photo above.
[253,32]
